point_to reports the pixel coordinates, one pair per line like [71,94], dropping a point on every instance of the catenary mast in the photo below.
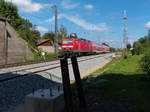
[125,38]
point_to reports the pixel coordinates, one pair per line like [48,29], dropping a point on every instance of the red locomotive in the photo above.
[74,45]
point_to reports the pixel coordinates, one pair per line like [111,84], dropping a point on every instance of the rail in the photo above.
[39,71]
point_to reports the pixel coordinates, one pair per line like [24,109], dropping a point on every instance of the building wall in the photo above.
[17,47]
[48,49]
[2,40]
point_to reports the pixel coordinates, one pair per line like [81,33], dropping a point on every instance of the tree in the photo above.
[145,61]
[142,44]
[105,44]
[22,26]
[128,46]
[148,33]
[112,49]
[63,31]
[137,48]
[49,35]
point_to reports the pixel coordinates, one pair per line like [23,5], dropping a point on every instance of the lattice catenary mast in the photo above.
[125,38]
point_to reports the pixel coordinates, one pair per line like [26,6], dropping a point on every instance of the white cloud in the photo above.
[27,5]
[104,26]
[86,25]
[53,18]
[89,6]
[82,23]
[147,25]
[42,29]
[68,4]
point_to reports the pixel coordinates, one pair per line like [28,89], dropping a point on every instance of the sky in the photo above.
[95,20]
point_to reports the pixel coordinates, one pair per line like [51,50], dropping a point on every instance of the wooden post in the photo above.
[66,85]
[78,82]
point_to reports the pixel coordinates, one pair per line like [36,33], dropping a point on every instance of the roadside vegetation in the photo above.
[122,80]
[142,47]
[38,57]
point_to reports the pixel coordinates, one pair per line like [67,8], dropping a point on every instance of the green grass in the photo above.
[125,66]
[48,56]
[126,82]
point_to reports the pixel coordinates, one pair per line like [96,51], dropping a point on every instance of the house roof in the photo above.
[42,41]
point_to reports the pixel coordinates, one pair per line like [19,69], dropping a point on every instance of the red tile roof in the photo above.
[42,41]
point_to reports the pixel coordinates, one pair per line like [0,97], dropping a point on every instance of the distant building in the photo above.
[46,45]
[13,49]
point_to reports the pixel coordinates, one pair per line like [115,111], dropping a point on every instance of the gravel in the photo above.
[5,76]
[13,92]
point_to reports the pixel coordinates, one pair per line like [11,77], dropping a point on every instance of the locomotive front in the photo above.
[68,46]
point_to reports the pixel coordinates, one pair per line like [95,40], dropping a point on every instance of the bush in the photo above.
[51,56]
[125,56]
[145,61]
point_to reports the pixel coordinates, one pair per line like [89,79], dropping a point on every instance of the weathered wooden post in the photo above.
[66,84]
[78,82]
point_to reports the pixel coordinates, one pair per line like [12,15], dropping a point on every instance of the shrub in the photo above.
[125,56]
[145,61]
[51,56]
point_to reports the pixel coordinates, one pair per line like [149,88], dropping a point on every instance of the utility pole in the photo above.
[56,30]
[125,38]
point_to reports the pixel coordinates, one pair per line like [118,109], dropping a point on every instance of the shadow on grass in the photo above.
[133,88]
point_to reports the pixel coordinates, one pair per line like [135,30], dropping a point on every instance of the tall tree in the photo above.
[105,44]
[49,35]
[128,46]
[63,31]
[148,36]
[22,26]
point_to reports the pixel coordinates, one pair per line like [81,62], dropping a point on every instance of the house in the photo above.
[46,45]
[13,49]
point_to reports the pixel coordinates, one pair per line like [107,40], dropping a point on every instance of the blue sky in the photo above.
[96,20]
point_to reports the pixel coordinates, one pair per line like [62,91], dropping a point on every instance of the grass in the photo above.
[48,56]
[125,82]
[125,66]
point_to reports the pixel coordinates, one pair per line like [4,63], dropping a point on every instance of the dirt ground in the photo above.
[95,104]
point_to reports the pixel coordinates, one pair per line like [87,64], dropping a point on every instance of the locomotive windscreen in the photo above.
[67,41]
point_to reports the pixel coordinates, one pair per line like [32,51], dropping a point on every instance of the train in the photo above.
[78,46]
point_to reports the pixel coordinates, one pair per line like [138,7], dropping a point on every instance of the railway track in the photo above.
[24,63]
[32,70]
[15,85]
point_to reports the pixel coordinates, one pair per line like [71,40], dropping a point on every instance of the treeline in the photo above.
[142,47]
[62,33]
[25,28]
